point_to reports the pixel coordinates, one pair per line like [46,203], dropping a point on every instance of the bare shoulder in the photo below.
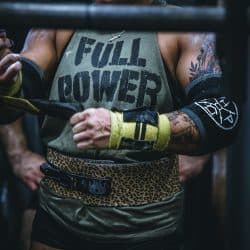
[35,36]
[168,45]
[197,57]
[40,48]
[46,39]
[196,40]
[201,50]
[189,55]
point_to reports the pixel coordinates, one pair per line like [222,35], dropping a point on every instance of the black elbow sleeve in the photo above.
[215,115]
[33,83]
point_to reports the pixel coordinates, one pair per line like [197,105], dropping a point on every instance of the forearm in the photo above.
[14,140]
[190,131]
[24,163]
[184,136]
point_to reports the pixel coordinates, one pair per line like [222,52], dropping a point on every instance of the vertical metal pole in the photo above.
[238,169]
[236,47]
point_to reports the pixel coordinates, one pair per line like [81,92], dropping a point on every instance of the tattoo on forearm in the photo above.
[185,136]
[206,62]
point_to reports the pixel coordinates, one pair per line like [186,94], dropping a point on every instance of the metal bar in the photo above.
[82,16]
[238,172]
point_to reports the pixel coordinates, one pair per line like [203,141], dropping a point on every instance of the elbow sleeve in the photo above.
[215,115]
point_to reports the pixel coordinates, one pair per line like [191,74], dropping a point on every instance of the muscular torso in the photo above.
[179,52]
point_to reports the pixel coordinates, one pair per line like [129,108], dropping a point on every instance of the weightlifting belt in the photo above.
[94,186]
[61,110]
[105,183]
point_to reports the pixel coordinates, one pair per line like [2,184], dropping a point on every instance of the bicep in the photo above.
[197,57]
[40,48]
[214,115]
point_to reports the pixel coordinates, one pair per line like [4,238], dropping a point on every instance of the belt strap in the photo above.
[62,110]
[93,186]
[130,183]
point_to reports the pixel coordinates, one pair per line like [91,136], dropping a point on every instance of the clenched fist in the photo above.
[91,128]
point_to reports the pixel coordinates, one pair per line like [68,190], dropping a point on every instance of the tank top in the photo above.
[115,70]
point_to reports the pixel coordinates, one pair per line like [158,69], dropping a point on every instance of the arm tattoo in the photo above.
[185,137]
[206,62]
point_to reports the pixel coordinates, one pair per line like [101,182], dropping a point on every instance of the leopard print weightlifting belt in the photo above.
[130,184]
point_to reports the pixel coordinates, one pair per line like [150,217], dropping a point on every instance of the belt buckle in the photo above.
[92,186]
[88,185]
[100,186]
[66,181]
[72,182]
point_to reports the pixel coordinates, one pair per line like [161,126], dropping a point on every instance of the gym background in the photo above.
[203,223]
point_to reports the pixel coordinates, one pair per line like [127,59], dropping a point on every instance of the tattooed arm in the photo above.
[185,137]
[207,122]
[197,58]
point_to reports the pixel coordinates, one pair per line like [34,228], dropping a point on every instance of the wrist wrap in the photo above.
[144,130]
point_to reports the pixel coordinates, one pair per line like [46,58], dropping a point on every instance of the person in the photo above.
[24,156]
[25,163]
[114,130]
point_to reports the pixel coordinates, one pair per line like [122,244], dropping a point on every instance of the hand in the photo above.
[190,166]
[9,68]
[26,166]
[91,128]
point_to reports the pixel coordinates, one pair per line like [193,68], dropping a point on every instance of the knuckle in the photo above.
[90,134]
[75,137]
[90,124]
[74,130]
[91,111]
[81,146]
[83,115]
[91,143]
[76,118]
[11,57]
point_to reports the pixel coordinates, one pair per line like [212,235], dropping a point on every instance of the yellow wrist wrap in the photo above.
[11,90]
[139,133]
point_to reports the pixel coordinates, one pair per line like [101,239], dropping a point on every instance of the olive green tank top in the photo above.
[122,70]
